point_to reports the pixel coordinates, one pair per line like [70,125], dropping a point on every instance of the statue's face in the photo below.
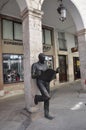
[41,58]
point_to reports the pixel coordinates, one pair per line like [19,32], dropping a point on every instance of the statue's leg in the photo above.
[38,98]
[46,107]
[45,95]
[44,91]
[46,104]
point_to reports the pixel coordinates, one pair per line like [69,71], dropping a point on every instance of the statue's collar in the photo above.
[40,63]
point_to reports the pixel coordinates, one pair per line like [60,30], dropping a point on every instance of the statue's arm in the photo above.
[35,73]
[58,70]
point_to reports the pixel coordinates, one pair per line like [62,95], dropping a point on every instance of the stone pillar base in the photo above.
[1,93]
[33,109]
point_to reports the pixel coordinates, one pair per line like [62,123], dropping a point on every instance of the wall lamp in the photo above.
[62,11]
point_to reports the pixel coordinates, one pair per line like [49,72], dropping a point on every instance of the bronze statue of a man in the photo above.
[36,71]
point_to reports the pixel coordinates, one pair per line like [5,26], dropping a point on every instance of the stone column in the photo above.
[82,54]
[1,63]
[70,68]
[32,42]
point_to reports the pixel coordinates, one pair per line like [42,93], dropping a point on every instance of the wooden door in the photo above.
[63,68]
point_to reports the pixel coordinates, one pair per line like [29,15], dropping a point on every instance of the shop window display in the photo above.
[12,68]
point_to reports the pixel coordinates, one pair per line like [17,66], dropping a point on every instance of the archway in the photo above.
[76,16]
[9,15]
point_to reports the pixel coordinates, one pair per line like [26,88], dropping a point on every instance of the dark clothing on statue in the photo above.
[45,91]
[42,85]
[36,71]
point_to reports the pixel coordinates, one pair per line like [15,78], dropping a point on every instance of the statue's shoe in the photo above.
[35,100]
[49,117]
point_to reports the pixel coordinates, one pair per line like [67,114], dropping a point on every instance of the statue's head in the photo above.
[41,57]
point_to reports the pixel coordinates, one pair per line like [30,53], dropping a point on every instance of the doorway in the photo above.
[76,66]
[63,68]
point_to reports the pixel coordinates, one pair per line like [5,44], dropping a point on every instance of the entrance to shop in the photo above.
[63,68]
[76,66]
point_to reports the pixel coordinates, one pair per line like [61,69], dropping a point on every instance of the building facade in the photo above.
[29,27]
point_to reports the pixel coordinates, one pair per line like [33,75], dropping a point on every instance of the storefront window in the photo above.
[12,68]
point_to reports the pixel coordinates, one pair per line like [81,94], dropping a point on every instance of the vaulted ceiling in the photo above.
[9,7]
[50,17]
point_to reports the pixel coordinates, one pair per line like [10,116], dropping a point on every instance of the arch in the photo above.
[23,4]
[75,12]
[71,5]
[36,4]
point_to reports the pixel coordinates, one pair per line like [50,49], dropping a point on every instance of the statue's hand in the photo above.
[36,74]
[57,70]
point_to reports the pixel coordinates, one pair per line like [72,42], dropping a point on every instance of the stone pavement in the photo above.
[12,116]
[67,105]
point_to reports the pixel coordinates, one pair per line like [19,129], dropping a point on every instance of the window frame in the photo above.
[64,41]
[3,30]
[44,28]
[13,22]
[14,31]
[76,40]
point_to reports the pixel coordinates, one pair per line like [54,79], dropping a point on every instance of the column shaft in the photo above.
[82,55]
[32,42]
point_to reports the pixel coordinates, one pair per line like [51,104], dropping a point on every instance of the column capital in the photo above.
[34,12]
[81,32]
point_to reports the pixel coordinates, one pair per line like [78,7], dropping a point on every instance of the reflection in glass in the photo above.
[17,31]
[49,61]
[7,29]
[12,68]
